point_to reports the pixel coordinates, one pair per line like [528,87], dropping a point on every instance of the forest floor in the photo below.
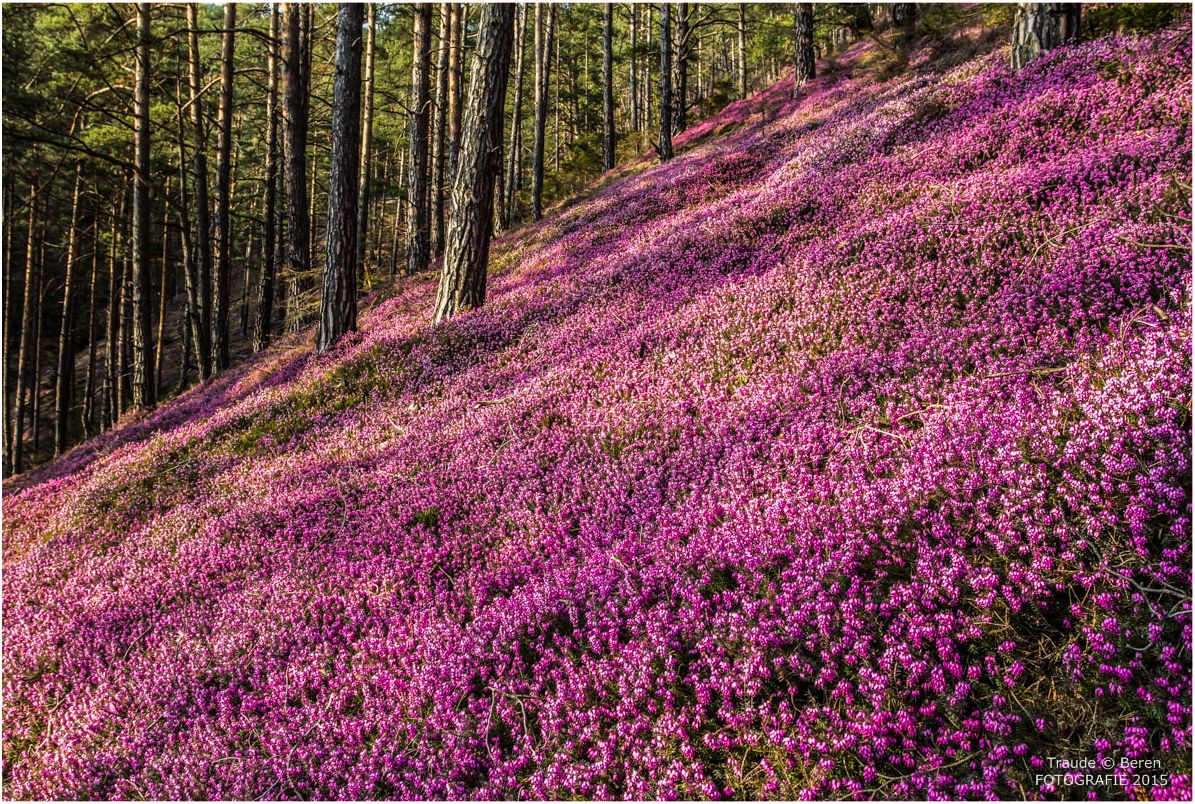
[845,455]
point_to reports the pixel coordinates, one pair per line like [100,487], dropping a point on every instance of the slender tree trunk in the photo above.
[203,238]
[93,335]
[223,200]
[904,15]
[516,115]
[38,330]
[455,88]
[112,336]
[647,82]
[742,31]
[418,227]
[804,67]
[665,145]
[371,13]
[24,355]
[163,294]
[294,114]
[143,379]
[463,279]
[440,135]
[608,87]
[683,34]
[338,307]
[543,47]
[263,323]
[635,126]
[66,351]
[190,259]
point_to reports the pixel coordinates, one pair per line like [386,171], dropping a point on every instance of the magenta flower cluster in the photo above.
[845,456]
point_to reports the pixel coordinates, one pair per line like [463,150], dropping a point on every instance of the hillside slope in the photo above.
[848,454]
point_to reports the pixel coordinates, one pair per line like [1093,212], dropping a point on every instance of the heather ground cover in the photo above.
[846,455]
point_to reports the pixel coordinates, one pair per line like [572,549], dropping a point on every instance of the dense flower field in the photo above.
[846,455]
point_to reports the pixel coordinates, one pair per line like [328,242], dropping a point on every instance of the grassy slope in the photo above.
[846,454]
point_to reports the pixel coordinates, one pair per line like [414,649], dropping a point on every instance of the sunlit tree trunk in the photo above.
[294,139]
[543,48]
[27,345]
[440,133]
[803,65]
[742,32]
[419,211]
[338,306]
[66,350]
[203,241]
[264,318]
[463,278]
[665,144]
[608,134]
[363,170]
[514,163]
[141,290]
[220,314]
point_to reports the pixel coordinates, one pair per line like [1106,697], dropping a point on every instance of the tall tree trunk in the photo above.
[742,32]
[371,13]
[143,379]
[294,143]
[665,144]
[1040,27]
[203,237]
[27,345]
[263,322]
[516,116]
[608,87]
[112,336]
[39,329]
[904,15]
[223,200]
[543,47]
[462,281]
[684,45]
[338,307]
[440,133]
[634,8]
[66,350]
[163,294]
[804,67]
[93,335]
[455,88]
[418,225]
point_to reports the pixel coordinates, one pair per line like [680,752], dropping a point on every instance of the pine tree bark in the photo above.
[456,60]
[419,211]
[634,76]
[608,87]
[203,238]
[66,351]
[742,32]
[371,14]
[112,336]
[264,317]
[543,48]
[904,15]
[1041,27]
[463,278]
[665,145]
[223,200]
[338,307]
[440,133]
[142,380]
[294,144]
[163,294]
[682,68]
[804,67]
[515,162]
[24,354]
[93,334]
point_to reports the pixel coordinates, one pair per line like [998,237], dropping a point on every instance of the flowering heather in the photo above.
[846,455]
